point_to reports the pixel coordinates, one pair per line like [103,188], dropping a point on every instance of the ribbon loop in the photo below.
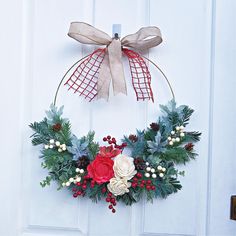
[110,67]
[145,38]
[87,34]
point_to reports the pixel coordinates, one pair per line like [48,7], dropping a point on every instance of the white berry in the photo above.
[147,164]
[177,139]
[46,146]
[159,168]
[169,138]
[63,184]
[57,143]
[182,134]
[64,148]
[71,180]
[59,150]
[152,170]
[181,127]
[154,176]
[147,175]
[161,175]
[81,171]
[51,141]
[164,169]
[51,146]
[172,132]
[78,179]
[77,170]
[148,169]
[173,140]
[177,128]
[67,184]
[171,143]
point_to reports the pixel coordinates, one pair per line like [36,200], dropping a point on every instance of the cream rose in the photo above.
[124,167]
[118,186]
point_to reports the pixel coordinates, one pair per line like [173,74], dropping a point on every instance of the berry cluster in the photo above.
[52,143]
[112,200]
[152,172]
[76,179]
[138,181]
[112,141]
[81,187]
[176,135]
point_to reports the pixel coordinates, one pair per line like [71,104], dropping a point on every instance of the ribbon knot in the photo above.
[92,77]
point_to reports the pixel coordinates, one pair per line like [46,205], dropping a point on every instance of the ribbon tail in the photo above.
[84,77]
[104,79]
[141,77]
[116,67]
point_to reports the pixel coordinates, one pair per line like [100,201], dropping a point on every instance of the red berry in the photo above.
[78,184]
[104,190]
[148,187]
[139,175]
[114,204]
[113,200]
[143,181]
[75,195]
[74,189]
[153,187]
[104,139]
[124,144]
[134,185]
[84,186]
[141,185]
[79,192]
[113,211]
[110,142]
[110,207]
[149,182]
[108,137]
[135,179]
[86,177]
[109,194]
[108,199]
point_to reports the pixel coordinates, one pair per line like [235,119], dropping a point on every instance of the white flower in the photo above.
[118,186]
[124,167]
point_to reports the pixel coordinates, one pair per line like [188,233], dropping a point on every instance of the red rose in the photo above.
[101,169]
[109,151]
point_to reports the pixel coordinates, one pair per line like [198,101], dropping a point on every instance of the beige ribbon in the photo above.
[112,67]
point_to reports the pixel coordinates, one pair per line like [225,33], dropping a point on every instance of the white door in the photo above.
[198,55]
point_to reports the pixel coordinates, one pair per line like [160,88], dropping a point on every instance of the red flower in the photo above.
[101,169]
[109,151]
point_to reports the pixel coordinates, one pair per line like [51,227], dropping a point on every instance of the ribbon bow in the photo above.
[93,74]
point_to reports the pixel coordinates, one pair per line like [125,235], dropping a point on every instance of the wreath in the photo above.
[141,165]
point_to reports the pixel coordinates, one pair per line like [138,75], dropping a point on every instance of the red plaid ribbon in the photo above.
[84,78]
